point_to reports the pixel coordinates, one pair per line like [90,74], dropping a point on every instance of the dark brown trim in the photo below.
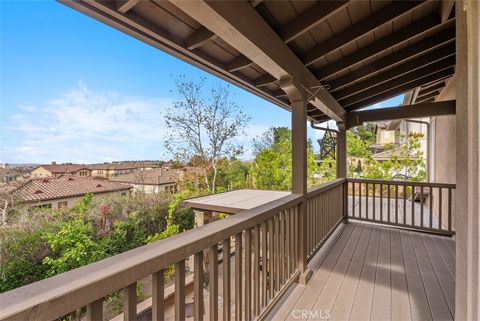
[399,81]
[436,40]
[396,38]
[401,89]
[356,118]
[436,55]
[360,28]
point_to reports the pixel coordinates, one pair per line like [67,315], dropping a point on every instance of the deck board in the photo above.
[378,273]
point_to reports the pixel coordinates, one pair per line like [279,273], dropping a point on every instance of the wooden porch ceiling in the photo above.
[361,52]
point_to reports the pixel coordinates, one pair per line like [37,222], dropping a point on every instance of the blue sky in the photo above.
[75,90]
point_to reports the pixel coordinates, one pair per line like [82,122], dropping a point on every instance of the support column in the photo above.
[341,157]
[467,291]
[299,168]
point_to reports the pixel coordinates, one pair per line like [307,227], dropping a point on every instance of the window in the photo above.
[63,205]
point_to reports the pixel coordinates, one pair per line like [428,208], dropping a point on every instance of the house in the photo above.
[150,181]
[9,175]
[349,249]
[64,191]
[120,168]
[56,170]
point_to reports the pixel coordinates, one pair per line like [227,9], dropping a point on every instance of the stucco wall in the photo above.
[444,146]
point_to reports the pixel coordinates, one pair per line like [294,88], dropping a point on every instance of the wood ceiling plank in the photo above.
[401,89]
[399,81]
[366,25]
[199,38]
[433,41]
[308,19]
[378,46]
[238,63]
[125,5]
[397,71]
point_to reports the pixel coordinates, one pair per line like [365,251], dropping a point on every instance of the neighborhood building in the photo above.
[120,168]
[151,181]
[64,191]
[56,170]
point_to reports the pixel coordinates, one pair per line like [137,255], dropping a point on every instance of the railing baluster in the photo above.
[256,274]
[413,204]
[226,279]
[404,204]
[158,295]
[248,274]
[296,238]
[95,310]
[373,201]
[292,238]
[180,290]
[396,204]
[238,276]
[449,209]
[264,264]
[130,302]
[388,203]
[198,286]
[277,253]
[282,248]
[440,205]
[431,207]
[271,250]
[381,202]
[360,200]
[213,281]
[287,240]
[366,200]
[421,205]
[353,199]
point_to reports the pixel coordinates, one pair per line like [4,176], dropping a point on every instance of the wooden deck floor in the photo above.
[367,272]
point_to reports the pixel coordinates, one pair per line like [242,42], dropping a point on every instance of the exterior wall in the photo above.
[153,189]
[69,200]
[40,172]
[443,160]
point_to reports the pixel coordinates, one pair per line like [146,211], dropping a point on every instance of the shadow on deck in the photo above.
[369,272]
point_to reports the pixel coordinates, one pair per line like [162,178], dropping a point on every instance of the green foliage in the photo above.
[42,243]
[272,166]
[74,245]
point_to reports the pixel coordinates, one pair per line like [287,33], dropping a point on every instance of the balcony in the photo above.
[369,259]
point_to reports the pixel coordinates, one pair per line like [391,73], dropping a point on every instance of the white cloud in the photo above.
[86,126]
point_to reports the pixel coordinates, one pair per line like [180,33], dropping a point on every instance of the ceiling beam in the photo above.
[377,47]
[308,19]
[397,71]
[124,5]
[399,81]
[406,53]
[238,63]
[401,89]
[429,95]
[384,15]
[264,80]
[445,8]
[199,38]
[357,118]
[239,25]
[435,87]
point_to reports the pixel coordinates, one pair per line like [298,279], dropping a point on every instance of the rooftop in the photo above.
[65,186]
[157,176]
[63,168]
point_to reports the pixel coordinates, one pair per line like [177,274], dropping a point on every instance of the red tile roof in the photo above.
[66,186]
[158,176]
[63,168]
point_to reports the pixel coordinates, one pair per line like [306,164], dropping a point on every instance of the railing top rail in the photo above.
[404,183]
[324,187]
[56,296]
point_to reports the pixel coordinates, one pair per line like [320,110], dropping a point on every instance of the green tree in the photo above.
[272,166]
